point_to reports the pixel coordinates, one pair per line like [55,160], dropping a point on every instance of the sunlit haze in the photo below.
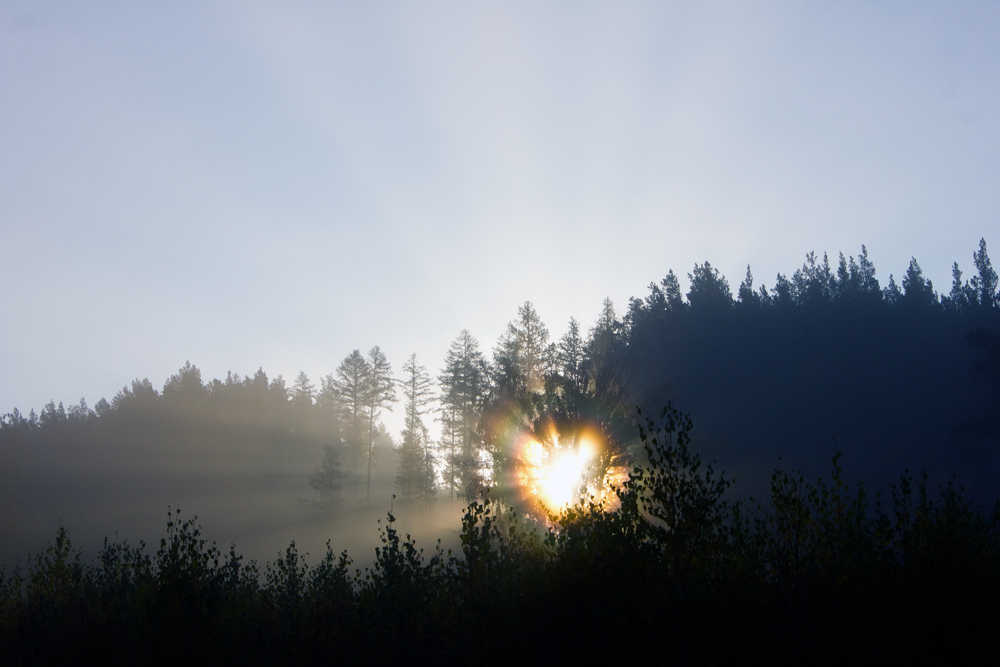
[273,185]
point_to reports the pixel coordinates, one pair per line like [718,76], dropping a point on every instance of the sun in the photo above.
[561,470]
[563,477]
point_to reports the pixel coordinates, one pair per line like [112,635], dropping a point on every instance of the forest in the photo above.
[591,512]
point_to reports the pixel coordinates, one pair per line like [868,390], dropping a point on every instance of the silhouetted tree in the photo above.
[350,387]
[891,292]
[781,293]
[524,353]
[327,481]
[184,390]
[52,415]
[80,412]
[102,408]
[959,297]
[140,397]
[380,393]
[747,297]
[814,283]
[709,290]
[569,355]
[984,283]
[415,474]
[672,298]
[918,292]
[867,283]
[603,363]
[464,385]
[303,390]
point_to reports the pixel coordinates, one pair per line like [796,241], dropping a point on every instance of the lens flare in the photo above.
[562,470]
[562,480]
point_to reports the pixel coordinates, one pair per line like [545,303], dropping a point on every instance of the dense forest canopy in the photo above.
[882,378]
[828,358]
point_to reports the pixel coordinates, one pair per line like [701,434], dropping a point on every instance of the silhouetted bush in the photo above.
[676,570]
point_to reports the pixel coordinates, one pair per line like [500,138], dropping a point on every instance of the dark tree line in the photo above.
[828,349]
[679,572]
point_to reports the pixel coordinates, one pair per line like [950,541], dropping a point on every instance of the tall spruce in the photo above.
[524,355]
[303,390]
[380,394]
[603,354]
[918,291]
[415,474]
[709,290]
[984,283]
[350,390]
[464,386]
[570,354]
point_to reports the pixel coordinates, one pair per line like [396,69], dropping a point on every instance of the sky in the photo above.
[244,185]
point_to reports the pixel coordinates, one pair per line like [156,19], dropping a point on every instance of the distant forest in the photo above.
[829,359]
[828,365]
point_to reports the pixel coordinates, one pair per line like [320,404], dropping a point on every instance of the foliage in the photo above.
[675,565]
[327,482]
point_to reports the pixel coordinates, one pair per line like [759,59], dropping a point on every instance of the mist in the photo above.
[332,275]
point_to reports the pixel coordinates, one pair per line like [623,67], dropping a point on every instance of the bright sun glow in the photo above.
[561,471]
[565,475]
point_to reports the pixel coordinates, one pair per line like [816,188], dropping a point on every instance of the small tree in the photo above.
[327,482]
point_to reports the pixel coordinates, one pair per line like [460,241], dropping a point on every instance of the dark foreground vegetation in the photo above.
[675,572]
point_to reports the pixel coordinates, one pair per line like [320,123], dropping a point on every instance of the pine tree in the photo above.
[709,289]
[867,283]
[918,292]
[891,292]
[984,283]
[813,283]
[450,447]
[415,474]
[570,353]
[303,390]
[327,482]
[350,389]
[781,293]
[380,393]
[672,297]
[463,394]
[524,353]
[602,360]
[747,297]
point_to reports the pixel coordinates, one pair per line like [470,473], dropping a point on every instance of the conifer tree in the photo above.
[380,393]
[867,282]
[747,297]
[350,388]
[918,292]
[327,481]
[303,390]
[524,355]
[570,354]
[415,474]
[672,297]
[463,394]
[984,283]
[709,289]
[891,292]
[781,293]
[602,361]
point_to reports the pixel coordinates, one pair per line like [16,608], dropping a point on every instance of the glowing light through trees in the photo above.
[562,469]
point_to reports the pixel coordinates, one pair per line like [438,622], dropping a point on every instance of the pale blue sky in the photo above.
[275,184]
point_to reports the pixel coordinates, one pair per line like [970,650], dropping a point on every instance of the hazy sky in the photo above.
[276,184]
